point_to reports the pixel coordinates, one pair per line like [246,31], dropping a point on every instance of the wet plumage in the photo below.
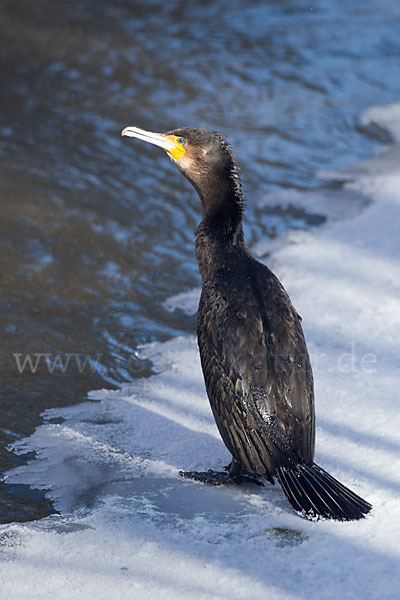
[253,353]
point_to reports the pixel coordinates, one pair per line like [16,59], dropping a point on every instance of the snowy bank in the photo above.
[131,528]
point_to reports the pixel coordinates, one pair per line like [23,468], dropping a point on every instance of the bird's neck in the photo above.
[219,236]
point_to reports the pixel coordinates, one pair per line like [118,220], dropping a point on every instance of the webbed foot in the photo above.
[211,477]
[235,476]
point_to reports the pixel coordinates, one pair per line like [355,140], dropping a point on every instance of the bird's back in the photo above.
[256,367]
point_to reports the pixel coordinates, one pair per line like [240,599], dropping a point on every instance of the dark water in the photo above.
[97,231]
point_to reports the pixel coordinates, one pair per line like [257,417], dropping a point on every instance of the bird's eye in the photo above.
[180,140]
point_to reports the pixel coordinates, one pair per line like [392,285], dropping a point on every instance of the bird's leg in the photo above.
[236,475]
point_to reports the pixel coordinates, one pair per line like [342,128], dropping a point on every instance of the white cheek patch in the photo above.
[185,163]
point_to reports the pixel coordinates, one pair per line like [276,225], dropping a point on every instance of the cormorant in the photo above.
[253,353]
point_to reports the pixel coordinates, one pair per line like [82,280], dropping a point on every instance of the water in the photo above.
[97,231]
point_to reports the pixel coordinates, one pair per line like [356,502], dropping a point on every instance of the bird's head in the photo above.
[202,156]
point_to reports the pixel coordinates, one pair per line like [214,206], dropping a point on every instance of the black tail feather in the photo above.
[315,493]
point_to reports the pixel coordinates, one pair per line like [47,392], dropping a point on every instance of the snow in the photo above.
[386,117]
[130,527]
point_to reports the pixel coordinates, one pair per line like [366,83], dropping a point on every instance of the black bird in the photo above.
[253,353]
